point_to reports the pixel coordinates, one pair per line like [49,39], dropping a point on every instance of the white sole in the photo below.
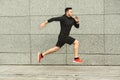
[78,62]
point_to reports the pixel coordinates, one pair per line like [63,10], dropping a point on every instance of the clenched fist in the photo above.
[76,19]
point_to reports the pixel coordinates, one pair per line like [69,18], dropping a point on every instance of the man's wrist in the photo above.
[46,22]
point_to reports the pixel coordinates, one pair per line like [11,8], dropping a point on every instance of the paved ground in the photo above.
[12,72]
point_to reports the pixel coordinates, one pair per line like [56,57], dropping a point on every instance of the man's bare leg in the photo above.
[76,56]
[76,46]
[52,50]
[41,55]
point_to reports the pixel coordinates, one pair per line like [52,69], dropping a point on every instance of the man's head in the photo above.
[68,11]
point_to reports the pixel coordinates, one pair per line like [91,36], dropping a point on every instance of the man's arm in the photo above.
[42,25]
[55,19]
[76,23]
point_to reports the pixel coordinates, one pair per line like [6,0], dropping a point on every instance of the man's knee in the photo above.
[76,42]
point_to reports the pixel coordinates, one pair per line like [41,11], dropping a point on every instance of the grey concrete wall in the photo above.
[21,38]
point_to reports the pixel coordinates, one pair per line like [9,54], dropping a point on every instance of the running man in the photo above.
[66,23]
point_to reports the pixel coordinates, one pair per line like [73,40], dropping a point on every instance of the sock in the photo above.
[42,55]
[76,58]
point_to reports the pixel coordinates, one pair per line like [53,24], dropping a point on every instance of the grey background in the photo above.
[21,38]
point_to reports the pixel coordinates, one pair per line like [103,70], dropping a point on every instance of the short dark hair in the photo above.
[67,8]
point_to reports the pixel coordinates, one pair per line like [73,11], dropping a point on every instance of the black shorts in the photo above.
[62,39]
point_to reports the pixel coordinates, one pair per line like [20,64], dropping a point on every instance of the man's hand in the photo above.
[76,19]
[42,25]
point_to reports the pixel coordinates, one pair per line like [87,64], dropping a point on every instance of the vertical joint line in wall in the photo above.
[30,34]
[104,26]
[65,3]
[66,54]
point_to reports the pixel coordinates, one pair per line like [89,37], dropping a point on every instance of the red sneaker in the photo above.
[77,60]
[40,56]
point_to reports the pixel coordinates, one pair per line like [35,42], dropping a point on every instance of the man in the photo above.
[66,23]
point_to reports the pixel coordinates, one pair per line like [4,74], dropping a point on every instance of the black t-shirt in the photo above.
[66,24]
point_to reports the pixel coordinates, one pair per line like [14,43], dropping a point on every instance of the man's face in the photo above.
[70,13]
